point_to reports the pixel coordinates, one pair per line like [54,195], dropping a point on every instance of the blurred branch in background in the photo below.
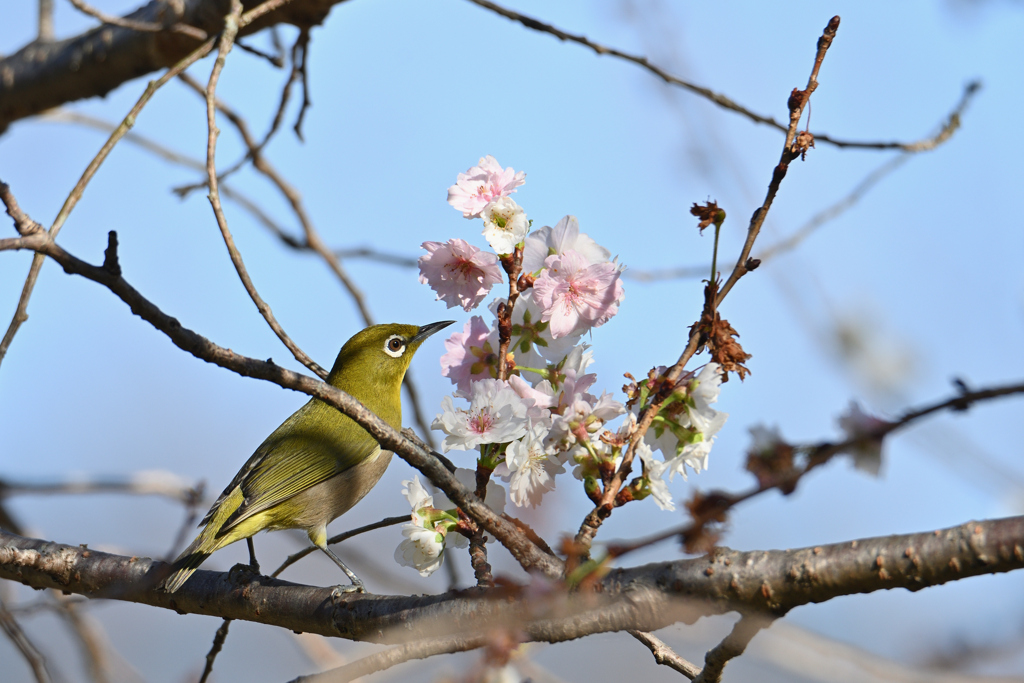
[26,647]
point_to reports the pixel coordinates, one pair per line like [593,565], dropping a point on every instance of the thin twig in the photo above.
[303,45]
[45,33]
[295,557]
[155,483]
[733,646]
[226,41]
[665,655]
[218,642]
[790,151]
[144,26]
[21,313]
[385,659]
[85,630]
[26,647]
[275,60]
[946,130]
[716,98]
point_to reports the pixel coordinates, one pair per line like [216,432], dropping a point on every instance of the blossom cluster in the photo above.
[544,415]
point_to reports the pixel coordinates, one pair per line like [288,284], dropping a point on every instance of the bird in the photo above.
[319,462]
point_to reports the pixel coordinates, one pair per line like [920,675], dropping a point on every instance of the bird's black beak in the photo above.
[430,329]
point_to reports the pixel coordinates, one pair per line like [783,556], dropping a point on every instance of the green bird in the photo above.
[319,462]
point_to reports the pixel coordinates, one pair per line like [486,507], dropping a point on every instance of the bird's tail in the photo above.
[186,564]
[209,540]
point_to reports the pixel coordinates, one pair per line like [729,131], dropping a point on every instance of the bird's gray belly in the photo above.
[329,499]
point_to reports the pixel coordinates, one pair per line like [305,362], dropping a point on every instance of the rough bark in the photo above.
[47,74]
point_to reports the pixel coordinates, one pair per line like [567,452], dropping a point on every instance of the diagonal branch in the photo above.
[722,101]
[791,150]
[665,655]
[28,650]
[226,41]
[731,648]
[385,659]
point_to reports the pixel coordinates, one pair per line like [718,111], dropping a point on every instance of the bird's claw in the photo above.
[340,591]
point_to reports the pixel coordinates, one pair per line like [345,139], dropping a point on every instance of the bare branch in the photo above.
[643,598]
[88,634]
[665,655]
[28,650]
[295,557]
[218,642]
[716,98]
[790,151]
[152,27]
[44,75]
[155,483]
[226,41]
[379,661]
[730,648]
[45,33]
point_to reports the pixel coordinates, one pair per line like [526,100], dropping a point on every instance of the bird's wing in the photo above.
[308,461]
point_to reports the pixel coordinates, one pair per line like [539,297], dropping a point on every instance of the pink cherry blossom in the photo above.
[460,273]
[576,296]
[471,354]
[481,185]
[557,240]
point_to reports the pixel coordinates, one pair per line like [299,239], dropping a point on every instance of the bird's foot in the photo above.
[341,591]
[244,573]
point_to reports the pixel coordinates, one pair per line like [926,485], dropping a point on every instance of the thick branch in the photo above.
[642,598]
[44,75]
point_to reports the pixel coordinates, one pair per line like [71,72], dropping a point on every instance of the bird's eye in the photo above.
[394,346]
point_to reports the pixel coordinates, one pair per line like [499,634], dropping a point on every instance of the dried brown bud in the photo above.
[804,141]
[752,264]
[708,213]
[796,99]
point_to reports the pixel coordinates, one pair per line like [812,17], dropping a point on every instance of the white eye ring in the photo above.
[389,342]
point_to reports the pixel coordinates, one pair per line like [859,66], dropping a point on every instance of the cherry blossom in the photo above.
[531,468]
[481,185]
[422,549]
[496,414]
[471,354]
[577,296]
[531,344]
[460,273]
[564,236]
[584,416]
[424,544]
[654,476]
[505,225]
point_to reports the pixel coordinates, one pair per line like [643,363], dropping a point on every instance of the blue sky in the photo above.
[924,273]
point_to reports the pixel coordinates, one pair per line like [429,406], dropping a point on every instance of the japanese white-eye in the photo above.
[319,462]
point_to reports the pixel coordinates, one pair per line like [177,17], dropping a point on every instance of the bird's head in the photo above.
[377,357]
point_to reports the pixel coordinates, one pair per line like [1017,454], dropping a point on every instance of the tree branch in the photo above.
[44,75]
[643,598]
[26,647]
[665,655]
[722,101]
